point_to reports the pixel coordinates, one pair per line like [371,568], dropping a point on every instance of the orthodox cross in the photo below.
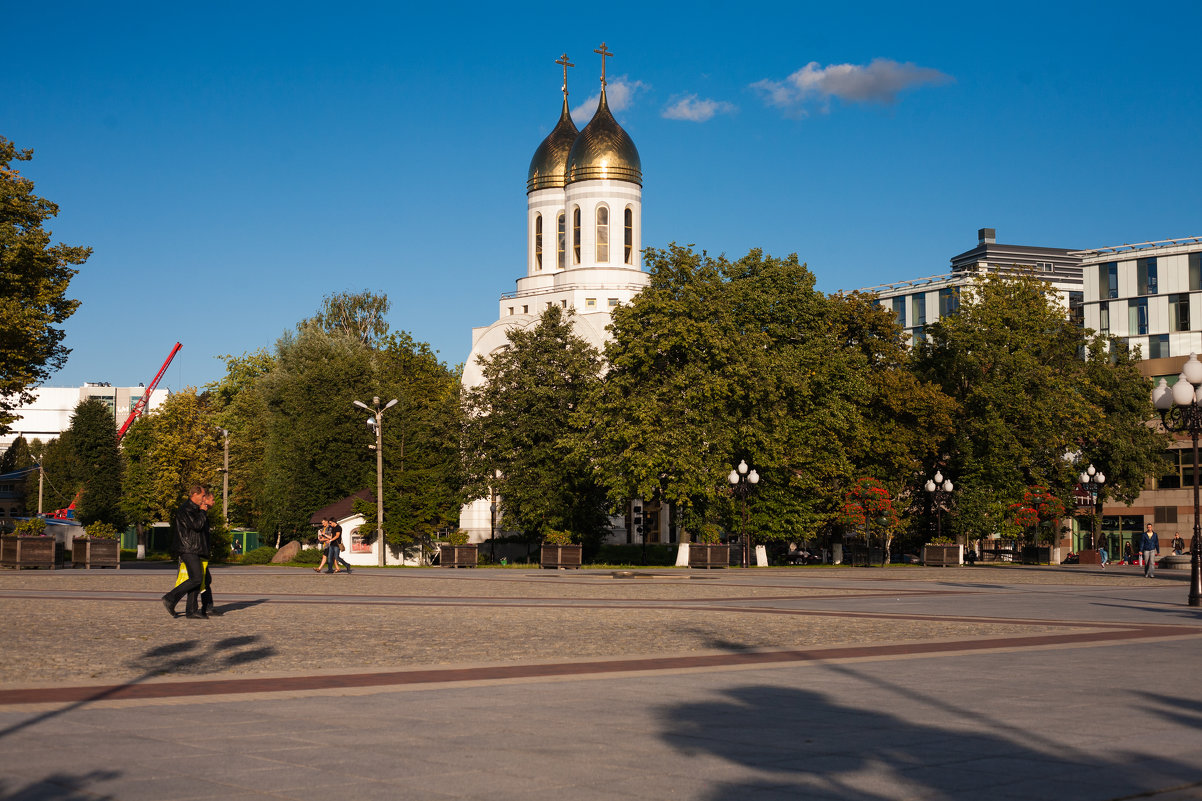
[603,52]
[564,61]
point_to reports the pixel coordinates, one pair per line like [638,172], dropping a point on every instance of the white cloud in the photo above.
[880,81]
[690,107]
[620,93]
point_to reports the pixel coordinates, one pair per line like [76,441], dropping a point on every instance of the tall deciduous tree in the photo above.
[1029,401]
[34,276]
[517,427]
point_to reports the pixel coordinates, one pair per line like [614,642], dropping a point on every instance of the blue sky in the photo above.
[232,163]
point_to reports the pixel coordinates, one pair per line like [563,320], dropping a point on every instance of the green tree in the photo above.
[168,450]
[717,361]
[239,407]
[518,422]
[1029,403]
[358,315]
[94,440]
[34,276]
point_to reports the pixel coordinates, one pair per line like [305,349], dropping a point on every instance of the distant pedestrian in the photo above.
[1102,556]
[323,542]
[1128,554]
[335,551]
[191,545]
[1149,546]
[1178,545]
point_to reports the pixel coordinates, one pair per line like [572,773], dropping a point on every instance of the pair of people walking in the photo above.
[192,545]
[330,539]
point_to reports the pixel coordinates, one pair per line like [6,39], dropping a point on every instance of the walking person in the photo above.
[1149,546]
[190,545]
[323,542]
[335,539]
[206,589]
[1102,556]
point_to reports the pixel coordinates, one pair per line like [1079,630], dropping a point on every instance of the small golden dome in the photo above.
[603,150]
[549,167]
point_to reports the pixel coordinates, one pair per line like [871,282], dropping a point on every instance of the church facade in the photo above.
[584,193]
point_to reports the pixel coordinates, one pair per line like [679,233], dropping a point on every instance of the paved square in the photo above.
[907,683]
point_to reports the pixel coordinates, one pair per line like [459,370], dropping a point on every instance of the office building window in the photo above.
[1165,514]
[1137,316]
[949,301]
[920,334]
[590,303]
[1146,276]
[918,311]
[1108,280]
[1076,308]
[1179,312]
[1158,346]
[613,303]
[899,310]
[1103,318]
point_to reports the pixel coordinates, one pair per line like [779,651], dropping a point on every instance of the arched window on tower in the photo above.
[629,235]
[561,241]
[576,235]
[602,233]
[538,242]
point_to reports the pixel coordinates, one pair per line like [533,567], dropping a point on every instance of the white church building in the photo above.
[584,239]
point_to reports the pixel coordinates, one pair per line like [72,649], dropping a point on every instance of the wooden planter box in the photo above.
[705,554]
[22,552]
[458,555]
[1089,557]
[91,552]
[1037,554]
[553,556]
[942,555]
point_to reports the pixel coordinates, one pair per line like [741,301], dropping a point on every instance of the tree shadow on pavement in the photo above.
[59,787]
[801,743]
[184,656]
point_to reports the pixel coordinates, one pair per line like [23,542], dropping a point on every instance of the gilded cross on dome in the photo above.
[604,53]
[564,61]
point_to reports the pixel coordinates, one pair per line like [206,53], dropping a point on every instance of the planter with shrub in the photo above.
[28,546]
[457,552]
[558,551]
[99,548]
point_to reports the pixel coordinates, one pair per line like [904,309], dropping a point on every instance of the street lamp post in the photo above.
[940,490]
[376,421]
[1181,411]
[742,480]
[1091,480]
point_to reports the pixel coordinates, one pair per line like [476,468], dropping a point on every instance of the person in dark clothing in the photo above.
[206,590]
[335,550]
[191,546]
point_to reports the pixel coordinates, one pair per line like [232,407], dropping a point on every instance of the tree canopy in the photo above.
[34,277]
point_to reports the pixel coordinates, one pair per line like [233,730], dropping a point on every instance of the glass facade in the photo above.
[949,300]
[1195,272]
[1108,280]
[1137,316]
[1178,312]
[1158,346]
[1146,276]
[899,310]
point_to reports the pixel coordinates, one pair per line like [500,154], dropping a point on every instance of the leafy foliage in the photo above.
[34,276]
[94,442]
[517,431]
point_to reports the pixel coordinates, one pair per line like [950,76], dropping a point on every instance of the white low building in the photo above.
[50,412]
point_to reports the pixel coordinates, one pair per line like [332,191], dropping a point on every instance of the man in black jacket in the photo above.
[191,545]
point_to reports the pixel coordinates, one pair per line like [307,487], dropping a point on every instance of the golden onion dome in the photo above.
[603,150]
[549,167]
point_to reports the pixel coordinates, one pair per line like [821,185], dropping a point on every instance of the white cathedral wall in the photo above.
[617,195]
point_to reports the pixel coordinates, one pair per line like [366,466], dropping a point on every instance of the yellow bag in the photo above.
[182,576]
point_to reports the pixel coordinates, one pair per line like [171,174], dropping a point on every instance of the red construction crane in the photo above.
[140,406]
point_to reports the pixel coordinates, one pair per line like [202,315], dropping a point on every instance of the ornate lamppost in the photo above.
[376,421]
[1181,411]
[940,489]
[742,480]
[1091,480]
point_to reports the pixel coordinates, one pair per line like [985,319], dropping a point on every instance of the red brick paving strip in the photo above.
[183,689]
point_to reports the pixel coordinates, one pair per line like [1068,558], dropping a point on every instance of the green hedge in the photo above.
[308,556]
[259,556]
[657,555]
